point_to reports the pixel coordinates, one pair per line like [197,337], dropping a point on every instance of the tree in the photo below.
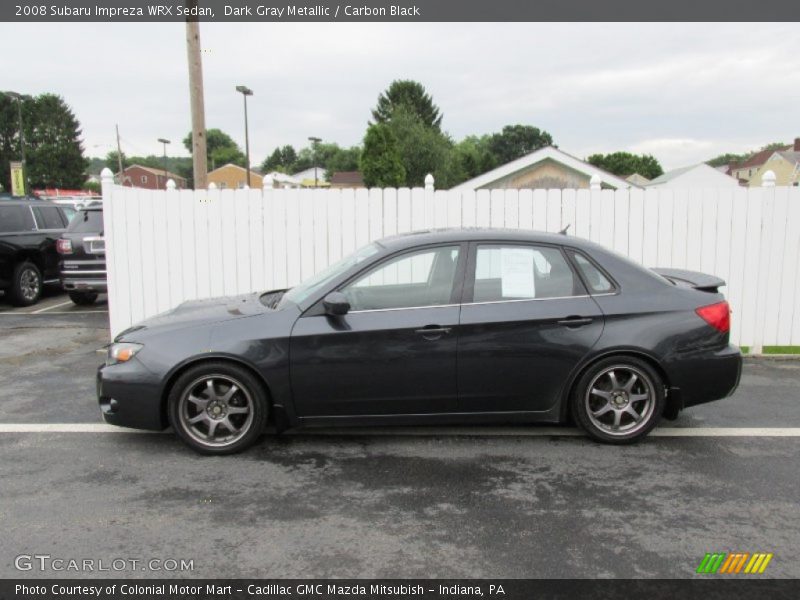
[282,159]
[53,146]
[381,165]
[473,156]
[221,149]
[330,157]
[624,164]
[422,149]
[515,141]
[412,96]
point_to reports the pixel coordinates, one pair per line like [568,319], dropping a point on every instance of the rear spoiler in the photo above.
[692,279]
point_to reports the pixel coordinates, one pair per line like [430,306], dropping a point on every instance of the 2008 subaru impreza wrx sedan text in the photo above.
[433,327]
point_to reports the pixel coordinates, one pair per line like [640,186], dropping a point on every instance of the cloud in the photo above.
[683,92]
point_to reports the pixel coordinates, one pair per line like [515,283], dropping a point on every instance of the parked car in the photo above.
[433,327]
[29,229]
[83,256]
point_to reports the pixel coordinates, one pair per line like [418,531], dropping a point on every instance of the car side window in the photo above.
[522,272]
[597,282]
[15,219]
[49,217]
[413,279]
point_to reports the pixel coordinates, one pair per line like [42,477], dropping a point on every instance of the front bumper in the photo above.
[707,376]
[130,396]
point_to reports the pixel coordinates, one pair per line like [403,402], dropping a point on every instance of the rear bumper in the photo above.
[84,285]
[130,396]
[707,376]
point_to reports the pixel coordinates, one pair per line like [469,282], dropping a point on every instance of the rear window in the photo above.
[15,219]
[49,217]
[594,277]
[87,221]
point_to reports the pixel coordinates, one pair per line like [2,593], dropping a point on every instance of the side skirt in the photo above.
[549,416]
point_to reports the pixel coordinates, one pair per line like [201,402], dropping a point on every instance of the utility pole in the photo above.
[314,141]
[245,92]
[199,152]
[19,98]
[119,159]
[165,142]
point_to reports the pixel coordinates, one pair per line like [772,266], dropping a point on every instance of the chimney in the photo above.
[796,145]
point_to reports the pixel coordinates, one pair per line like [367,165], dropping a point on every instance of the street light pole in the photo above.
[165,142]
[19,98]
[246,91]
[314,141]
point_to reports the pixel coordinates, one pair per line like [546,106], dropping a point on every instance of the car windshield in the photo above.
[302,291]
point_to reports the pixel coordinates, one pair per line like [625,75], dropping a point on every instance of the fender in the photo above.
[605,352]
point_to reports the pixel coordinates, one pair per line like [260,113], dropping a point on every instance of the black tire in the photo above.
[218,411]
[26,285]
[83,298]
[598,405]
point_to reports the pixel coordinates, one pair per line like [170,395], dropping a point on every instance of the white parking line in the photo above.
[430,431]
[45,309]
[54,312]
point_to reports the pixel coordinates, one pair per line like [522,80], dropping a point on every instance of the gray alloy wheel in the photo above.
[27,285]
[216,410]
[618,400]
[218,407]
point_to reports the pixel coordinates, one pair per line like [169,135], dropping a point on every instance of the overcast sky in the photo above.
[683,92]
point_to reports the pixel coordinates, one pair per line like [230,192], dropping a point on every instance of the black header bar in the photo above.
[412,11]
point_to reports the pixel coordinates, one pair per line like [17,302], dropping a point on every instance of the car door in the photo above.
[394,352]
[17,234]
[526,322]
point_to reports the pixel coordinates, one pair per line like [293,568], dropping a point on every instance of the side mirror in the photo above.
[336,304]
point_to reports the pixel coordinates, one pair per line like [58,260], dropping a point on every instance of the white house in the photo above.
[545,168]
[695,176]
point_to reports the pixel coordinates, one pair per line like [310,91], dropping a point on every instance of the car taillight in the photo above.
[717,315]
[64,246]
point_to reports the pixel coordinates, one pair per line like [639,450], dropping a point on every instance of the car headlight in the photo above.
[121,352]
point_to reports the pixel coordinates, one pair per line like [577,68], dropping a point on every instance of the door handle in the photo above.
[575,321]
[432,331]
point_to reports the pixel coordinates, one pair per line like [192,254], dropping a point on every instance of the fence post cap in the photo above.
[212,186]
[429,181]
[768,178]
[107,175]
[171,184]
[595,183]
[268,183]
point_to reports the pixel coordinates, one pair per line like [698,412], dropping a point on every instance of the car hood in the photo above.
[201,312]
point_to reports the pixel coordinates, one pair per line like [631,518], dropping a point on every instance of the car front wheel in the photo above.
[218,408]
[618,400]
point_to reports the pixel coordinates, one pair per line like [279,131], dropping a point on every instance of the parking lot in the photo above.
[422,502]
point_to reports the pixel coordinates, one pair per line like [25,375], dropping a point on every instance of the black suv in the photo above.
[83,256]
[29,229]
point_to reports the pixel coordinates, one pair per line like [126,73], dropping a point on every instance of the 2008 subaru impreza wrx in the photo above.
[433,327]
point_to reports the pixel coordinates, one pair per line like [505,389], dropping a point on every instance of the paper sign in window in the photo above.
[517,273]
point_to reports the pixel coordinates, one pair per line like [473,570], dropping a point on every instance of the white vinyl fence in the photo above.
[165,247]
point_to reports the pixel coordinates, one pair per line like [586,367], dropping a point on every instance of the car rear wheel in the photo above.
[26,287]
[83,298]
[618,400]
[218,408]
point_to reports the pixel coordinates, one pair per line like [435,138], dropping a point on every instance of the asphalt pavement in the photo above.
[425,502]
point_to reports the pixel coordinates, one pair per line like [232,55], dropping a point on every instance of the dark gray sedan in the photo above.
[450,326]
